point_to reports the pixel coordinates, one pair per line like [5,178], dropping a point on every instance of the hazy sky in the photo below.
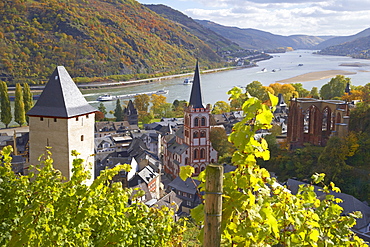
[284,17]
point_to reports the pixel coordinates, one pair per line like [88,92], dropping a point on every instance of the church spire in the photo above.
[196,95]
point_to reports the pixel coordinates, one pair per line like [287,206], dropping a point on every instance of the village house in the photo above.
[187,192]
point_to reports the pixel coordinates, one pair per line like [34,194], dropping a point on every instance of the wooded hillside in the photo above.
[92,38]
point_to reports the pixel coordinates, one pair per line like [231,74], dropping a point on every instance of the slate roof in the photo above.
[186,186]
[170,200]
[281,101]
[178,148]
[99,140]
[61,98]
[196,99]
[180,132]
[146,175]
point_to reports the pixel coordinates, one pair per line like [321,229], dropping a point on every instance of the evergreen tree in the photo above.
[6,114]
[19,113]
[27,99]
[118,112]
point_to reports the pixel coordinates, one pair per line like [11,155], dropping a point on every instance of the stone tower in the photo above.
[62,119]
[197,129]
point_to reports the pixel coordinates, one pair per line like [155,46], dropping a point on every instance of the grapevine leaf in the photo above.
[186,172]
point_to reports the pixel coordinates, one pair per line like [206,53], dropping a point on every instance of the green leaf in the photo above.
[186,172]
[317,178]
[197,213]
[274,100]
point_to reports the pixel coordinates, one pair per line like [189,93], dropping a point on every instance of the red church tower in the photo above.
[191,145]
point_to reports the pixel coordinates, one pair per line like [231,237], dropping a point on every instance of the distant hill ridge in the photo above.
[358,48]
[342,39]
[249,38]
[214,40]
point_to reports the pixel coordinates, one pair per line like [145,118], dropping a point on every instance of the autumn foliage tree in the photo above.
[221,107]
[159,104]
[256,89]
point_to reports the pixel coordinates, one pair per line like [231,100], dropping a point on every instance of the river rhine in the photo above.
[216,85]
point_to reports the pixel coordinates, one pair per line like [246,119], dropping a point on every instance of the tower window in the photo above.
[195,134]
[196,121]
[82,138]
[203,121]
[203,134]
[202,153]
[196,154]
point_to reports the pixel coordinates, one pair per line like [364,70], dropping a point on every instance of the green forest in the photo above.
[94,40]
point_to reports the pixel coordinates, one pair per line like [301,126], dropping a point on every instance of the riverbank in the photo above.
[146,81]
[315,76]
[98,85]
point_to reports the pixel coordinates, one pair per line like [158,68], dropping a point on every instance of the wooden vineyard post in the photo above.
[213,206]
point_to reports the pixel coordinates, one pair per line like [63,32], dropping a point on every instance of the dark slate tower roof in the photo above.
[196,95]
[348,89]
[61,98]
[281,101]
[131,108]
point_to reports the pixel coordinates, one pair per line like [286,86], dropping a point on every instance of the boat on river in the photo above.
[188,81]
[108,97]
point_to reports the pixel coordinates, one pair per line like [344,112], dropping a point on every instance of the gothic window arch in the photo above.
[338,119]
[196,121]
[203,121]
[203,134]
[195,134]
[326,119]
[202,153]
[196,170]
[196,151]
